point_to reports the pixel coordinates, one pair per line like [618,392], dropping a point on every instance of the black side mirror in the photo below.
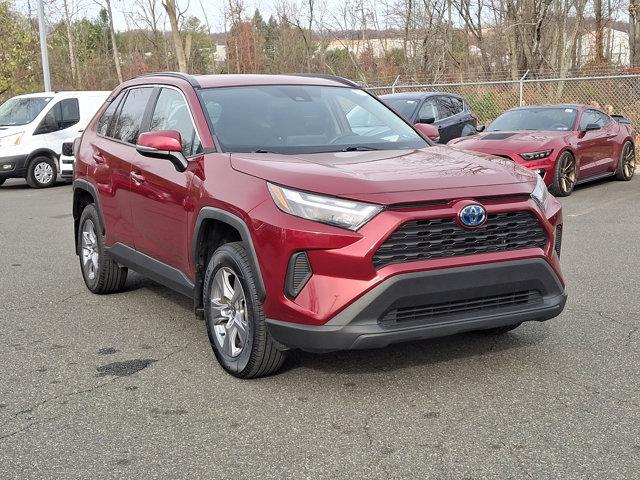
[590,127]
[480,128]
[427,120]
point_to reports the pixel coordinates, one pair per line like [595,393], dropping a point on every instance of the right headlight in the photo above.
[540,193]
[320,208]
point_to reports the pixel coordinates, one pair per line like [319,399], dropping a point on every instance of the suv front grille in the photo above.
[444,237]
[424,313]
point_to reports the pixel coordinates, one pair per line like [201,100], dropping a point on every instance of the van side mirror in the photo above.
[165,145]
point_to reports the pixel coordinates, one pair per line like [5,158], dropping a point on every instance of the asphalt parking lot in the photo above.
[126,386]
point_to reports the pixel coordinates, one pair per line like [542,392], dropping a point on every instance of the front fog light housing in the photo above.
[6,166]
[338,212]
[540,193]
[536,155]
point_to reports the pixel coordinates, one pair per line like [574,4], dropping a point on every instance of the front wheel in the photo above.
[42,172]
[565,175]
[2,180]
[235,320]
[627,162]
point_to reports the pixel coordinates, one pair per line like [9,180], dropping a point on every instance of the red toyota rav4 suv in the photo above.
[301,212]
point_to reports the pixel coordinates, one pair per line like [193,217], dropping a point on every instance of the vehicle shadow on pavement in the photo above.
[418,353]
[395,357]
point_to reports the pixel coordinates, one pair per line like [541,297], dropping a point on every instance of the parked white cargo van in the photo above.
[33,128]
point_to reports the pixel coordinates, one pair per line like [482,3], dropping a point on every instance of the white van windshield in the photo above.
[21,110]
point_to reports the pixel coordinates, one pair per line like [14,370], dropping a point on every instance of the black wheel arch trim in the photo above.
[212,213]
[88,187]
[45,152]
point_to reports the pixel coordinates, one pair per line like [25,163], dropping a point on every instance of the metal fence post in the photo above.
[395,82]
[522,87]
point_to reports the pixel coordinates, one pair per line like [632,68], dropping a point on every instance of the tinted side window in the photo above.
[107,116]
[447,107]
[604,119]
[63,114]
[456,104]
[589,116]
[429,109]
[129,121]
[172,113]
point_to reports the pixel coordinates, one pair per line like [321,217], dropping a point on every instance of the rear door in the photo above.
[113,150]
[161,204]
[450,121]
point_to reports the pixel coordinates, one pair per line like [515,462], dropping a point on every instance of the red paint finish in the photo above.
[150,206]
[168,140]
[596,152]
[428,130]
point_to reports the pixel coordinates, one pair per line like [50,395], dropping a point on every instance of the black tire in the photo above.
[627,162]
[108,276]
[565,175]
[35,168]
[2,180]
[501,330]
[260,355]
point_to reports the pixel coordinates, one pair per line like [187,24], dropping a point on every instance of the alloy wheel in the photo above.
[43,173]
[229,312]
[90,255]
[628,160]
[568,174]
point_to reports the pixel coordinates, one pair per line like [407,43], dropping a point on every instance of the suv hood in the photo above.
[431,173]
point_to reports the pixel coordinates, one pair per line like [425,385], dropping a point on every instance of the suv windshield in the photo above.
[294,119]
[545,119]
[21,111]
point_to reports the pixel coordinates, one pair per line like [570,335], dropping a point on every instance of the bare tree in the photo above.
[173,13]
[114,44]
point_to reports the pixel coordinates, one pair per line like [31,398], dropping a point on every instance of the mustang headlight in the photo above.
[330,210]
[10,140]
[536,155]
[540,193]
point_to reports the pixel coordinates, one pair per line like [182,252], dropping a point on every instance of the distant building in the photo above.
[616,47]
[377,46]
[220,55]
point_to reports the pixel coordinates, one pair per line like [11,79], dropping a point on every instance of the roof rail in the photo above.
[184,76]
[335,78]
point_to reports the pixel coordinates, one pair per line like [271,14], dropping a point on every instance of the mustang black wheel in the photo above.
[564,175]
[627,163]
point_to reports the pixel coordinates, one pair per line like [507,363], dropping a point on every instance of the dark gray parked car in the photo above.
[449,113]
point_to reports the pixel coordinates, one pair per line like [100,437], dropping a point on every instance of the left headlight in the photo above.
[536,155]
[319,208]
[9,140]
[540,193]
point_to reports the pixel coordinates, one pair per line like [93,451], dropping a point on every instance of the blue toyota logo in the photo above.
[473,215]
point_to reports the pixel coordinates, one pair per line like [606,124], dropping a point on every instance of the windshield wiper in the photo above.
[359,148]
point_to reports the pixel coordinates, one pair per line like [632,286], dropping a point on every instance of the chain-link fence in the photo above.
[618,94]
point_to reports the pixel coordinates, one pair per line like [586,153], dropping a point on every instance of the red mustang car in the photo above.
[565,144]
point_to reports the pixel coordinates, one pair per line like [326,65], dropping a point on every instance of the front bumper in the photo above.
[460,297]
[13,166]
[66,167]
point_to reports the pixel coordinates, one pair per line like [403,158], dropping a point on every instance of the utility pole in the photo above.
[42,27]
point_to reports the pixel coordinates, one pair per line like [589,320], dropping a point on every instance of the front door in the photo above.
[160,194]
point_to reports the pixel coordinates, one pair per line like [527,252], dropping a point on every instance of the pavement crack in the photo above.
[88,390]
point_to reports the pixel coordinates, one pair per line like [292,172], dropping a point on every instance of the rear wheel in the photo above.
[101,274]
[42,172]
[627,163]
[235,320]
[564,175]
